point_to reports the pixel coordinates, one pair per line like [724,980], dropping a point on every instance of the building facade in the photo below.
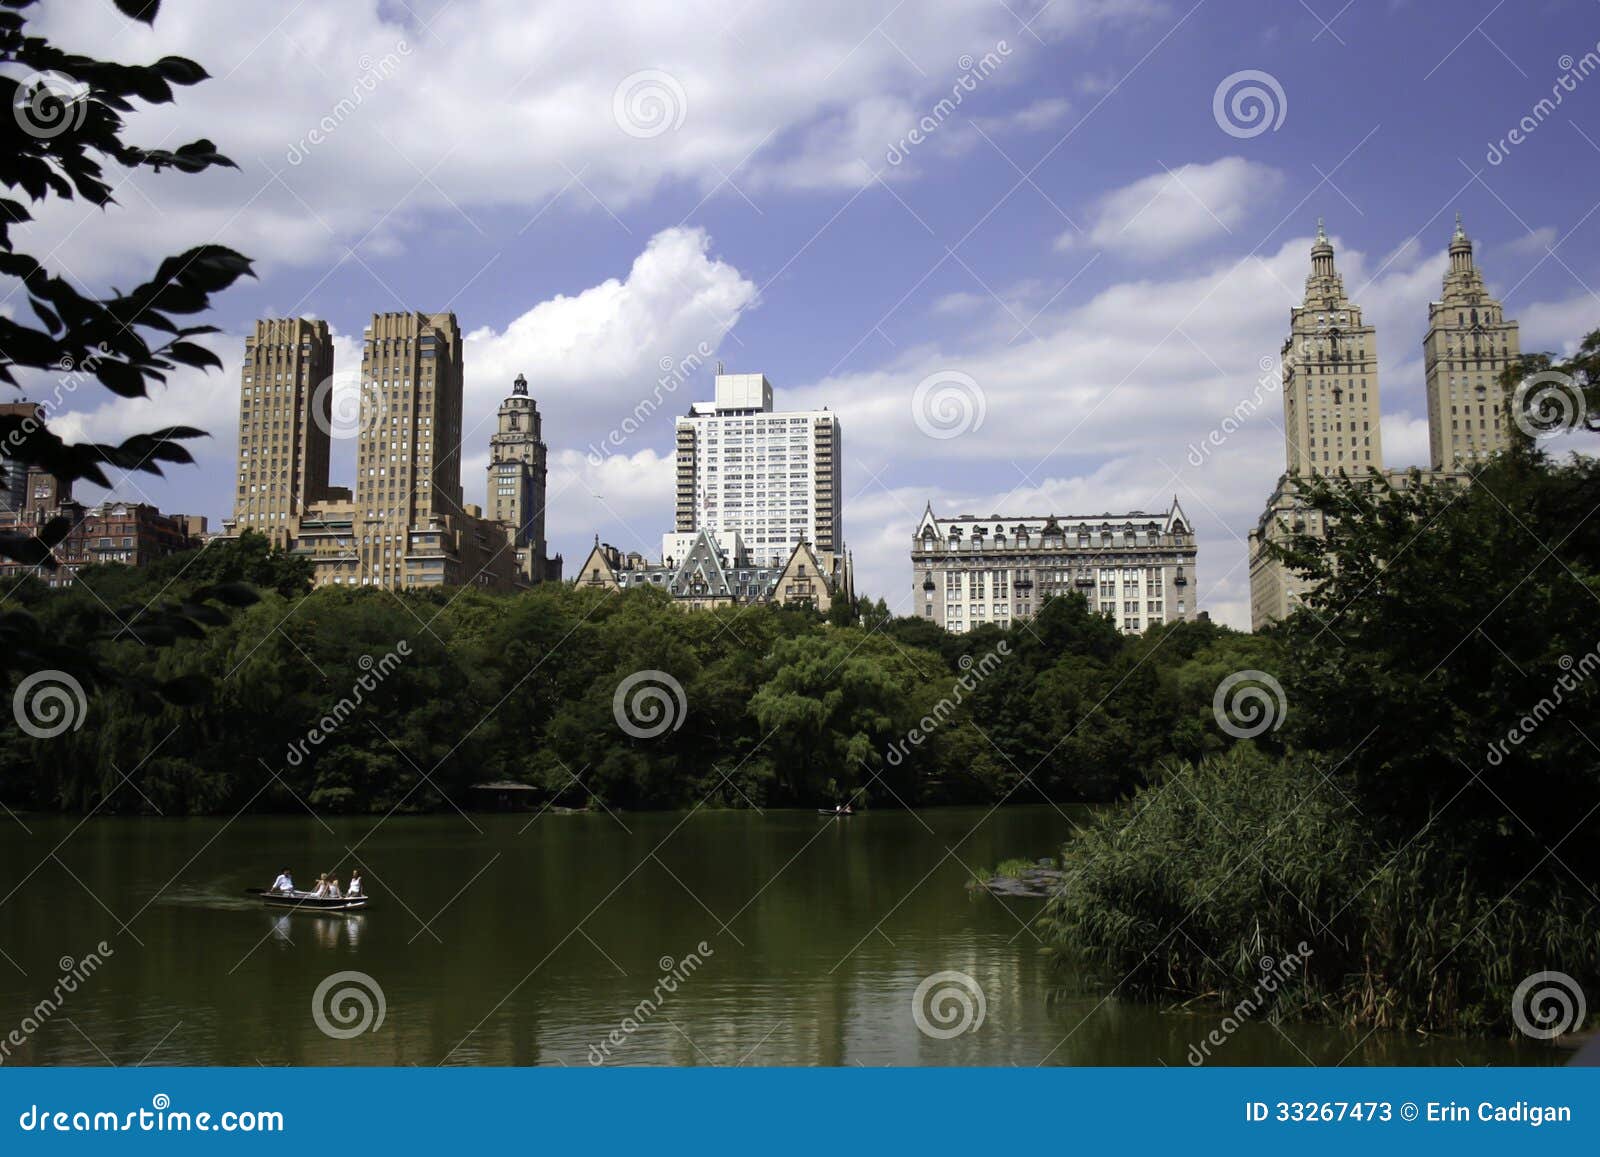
[404,524]
[1331,404]
[14,480]
[1469,343]
[408,451]
[771,476]
[1136,568]
[1330,377]
[717,571]
[285,421]
[126,533]
[516,485]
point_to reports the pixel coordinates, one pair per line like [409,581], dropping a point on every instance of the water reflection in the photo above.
[817,939]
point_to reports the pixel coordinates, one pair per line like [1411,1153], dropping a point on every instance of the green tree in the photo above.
[68,123]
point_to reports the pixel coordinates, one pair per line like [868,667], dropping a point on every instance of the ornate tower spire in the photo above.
[1321,254]
[1460,249]
[519,388]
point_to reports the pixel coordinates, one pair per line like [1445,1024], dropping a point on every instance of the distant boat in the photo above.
[828,811]
[305,901]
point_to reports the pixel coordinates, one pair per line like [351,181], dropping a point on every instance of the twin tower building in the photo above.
[403,525]
[1330,401]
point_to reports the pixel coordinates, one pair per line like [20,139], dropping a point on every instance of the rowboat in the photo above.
[305,901]
[828,811]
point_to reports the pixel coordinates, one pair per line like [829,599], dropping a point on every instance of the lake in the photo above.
[689,938]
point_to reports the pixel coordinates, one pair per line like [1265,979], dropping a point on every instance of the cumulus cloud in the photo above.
[398,111]
[1170,211]
[1112,407]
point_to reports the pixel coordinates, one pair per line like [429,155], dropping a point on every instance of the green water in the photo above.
[506,940]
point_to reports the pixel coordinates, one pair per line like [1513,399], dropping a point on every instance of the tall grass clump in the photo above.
[1207,879]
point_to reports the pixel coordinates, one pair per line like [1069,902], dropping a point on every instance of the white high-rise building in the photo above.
[770,476]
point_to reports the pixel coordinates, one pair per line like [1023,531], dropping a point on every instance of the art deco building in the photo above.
[285,416]
[1469,343]
[1135,567]
[408,456]
[516,488]
[772,476]
[404,524]
[715,570]
[1330,377]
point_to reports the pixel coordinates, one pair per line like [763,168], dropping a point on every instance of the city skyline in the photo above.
[1131,283]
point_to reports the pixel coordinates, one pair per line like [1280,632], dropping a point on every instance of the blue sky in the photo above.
[1081,244]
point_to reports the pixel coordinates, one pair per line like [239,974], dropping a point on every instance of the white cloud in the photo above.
[589,358]
[484,104]
[1558,325]
[1108,407]
[1031,118]
[1172,210]
[1534,243]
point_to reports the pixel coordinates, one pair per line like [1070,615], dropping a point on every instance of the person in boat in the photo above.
[355,884]
[283,883]
[322,886]
[333,888]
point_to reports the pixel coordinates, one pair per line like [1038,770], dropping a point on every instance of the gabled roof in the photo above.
[702,564]
[597,559]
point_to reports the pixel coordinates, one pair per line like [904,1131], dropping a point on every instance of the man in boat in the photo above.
[283,883]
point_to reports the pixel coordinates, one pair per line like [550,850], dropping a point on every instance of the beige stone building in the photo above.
[1275,590]
[718,571]
[1135,567]
[1469,344]
[516,485]
[285,418]
[404,524]
[1331,404]
[1330,377]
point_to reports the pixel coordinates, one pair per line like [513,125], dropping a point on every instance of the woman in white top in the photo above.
[333,888]
[355,884]
[322,886]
